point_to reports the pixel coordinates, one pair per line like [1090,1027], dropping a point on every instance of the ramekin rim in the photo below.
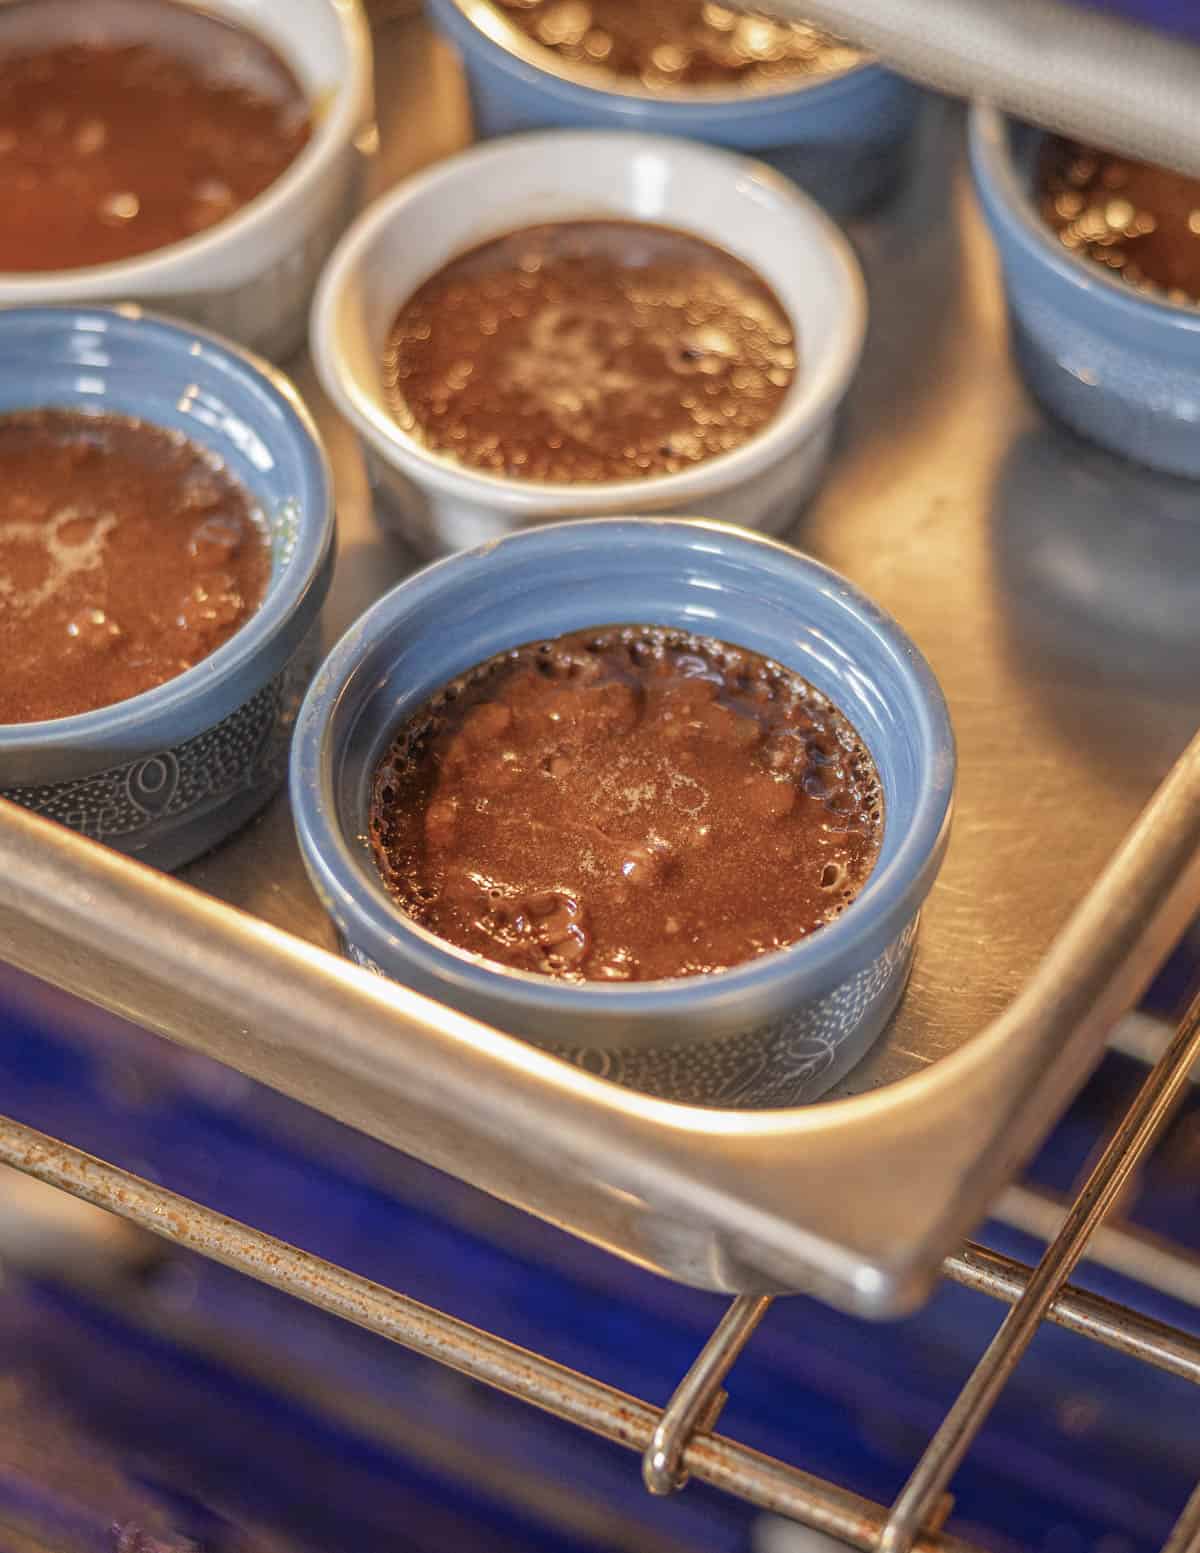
[814,398]
[888,893]
[279,603]
[347,116]
[1007,202]
[529,54]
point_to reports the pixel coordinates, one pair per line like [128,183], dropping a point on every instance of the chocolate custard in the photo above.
[589,351]
[1140,221]
[127,554]
[665,43]
[626,803]
[126,125]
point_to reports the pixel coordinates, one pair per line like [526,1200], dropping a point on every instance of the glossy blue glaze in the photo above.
[843,139]
[168,774]
[1119,368]
[773,1032]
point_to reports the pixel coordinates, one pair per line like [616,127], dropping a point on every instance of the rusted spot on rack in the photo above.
[1091,1315]
[626,1420]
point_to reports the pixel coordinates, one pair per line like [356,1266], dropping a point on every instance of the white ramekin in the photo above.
[738,204]
[251,277]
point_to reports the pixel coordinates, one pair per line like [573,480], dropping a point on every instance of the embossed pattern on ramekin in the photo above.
[129,805]
[787,1062]
[784,1063]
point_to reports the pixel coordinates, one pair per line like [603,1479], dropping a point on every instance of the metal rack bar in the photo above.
[576,1398]
[1133,1137]
[1127,1249]
[699,1398]
[1185,1538]
[677,1441]
[616,1416]
[1091,1315]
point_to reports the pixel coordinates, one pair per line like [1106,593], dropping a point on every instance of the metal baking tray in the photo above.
[1055,592]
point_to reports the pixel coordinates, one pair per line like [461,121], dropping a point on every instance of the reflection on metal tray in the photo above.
[1045,582]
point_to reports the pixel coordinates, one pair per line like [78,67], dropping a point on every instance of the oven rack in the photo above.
[678,1441]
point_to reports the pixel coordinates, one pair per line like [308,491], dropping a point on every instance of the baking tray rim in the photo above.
[838,1199]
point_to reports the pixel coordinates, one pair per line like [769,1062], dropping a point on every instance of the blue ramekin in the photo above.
[168,774]
[1120,368]
[843,138]
[774,1032]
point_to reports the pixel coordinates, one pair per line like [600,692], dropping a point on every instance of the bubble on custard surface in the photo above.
[614,970]
[646,864]
[823,782]
[718,17]
[216,540]
[559,923]
[786,752]
[844,803]
[212,601]
[580,667]
[568,952]
[697,666]
[94,630]
[597,45]
[119,209]
[823,749]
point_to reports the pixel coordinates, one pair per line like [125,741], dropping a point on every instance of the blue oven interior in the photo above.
[156,1401]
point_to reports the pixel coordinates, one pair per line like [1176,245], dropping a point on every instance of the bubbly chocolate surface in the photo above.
[626,803]
[127,554]
[128,125]
[587,351]
[668,43]
[1139,221]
